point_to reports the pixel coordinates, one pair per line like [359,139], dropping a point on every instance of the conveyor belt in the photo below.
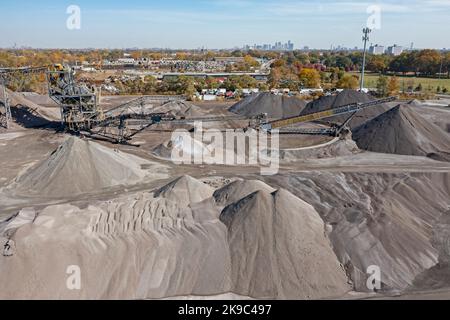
[311,131]
[8,73]
[127,107]
[350,108]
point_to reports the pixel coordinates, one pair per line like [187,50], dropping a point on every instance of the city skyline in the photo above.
[277,46]
[220,24]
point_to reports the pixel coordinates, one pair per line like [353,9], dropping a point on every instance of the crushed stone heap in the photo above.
[80,166]
[404,131]
[276,106]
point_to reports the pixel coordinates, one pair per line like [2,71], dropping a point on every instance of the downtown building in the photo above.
[395,50]
[376,49]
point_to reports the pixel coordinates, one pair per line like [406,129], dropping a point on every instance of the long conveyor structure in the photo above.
[346,109]
[80,113]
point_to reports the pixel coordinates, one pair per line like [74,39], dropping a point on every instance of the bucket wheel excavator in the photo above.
[80,112]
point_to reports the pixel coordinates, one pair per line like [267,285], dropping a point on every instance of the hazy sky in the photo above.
[221,23]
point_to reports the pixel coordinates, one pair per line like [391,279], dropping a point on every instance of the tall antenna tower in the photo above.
[366,32]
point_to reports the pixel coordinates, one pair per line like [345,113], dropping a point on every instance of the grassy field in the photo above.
[370,81]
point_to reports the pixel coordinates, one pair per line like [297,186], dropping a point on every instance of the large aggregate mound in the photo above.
[181,145]
[187,149]
[267,244]
[276,106]
[180,108]
[171,242]
[415,103]
[185,190]
[133,247]
[389,220]
[334,148]
[404,131]
[278,248]
[239,189]
[80,166]
[344,98]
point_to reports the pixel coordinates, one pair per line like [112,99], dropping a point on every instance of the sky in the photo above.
[214,24]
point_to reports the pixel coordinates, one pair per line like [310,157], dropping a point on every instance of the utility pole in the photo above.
[366,32]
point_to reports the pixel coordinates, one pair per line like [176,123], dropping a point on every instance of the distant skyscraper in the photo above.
[289,46]
[395,50]
[376,49]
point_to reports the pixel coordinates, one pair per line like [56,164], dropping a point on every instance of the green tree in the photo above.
[382,86]
[250,61]
[348,82]
[263,87]
[428,61]
[393,86]
[410,85]
[190,91]
[419,88]
[403,63]
[279,63]
[309,78]
[274,77]
[334,77]
[446,64]
[344,62]
[377,63]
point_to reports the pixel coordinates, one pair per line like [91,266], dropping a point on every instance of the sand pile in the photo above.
[171,243]
[344,98]
[239,189]
[185,148]
[29,114]
[40,99]
[180,109]
[279,250]
[415,103]
[181,145]
[79,166]
[334,148]
[402,130]
[276,106]
[438,115]
[383,219]
[133,247]
[185,190]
